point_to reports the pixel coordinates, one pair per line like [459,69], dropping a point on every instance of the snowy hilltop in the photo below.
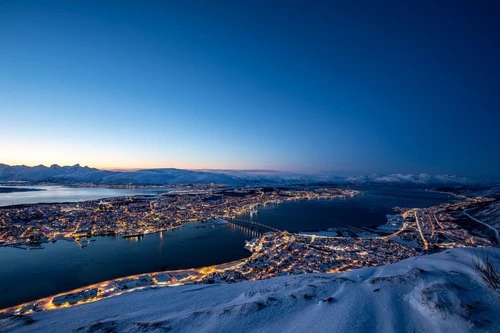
[435,293]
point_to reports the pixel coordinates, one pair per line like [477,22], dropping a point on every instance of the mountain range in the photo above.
[77,174]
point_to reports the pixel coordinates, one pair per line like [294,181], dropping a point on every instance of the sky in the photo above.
[354,87]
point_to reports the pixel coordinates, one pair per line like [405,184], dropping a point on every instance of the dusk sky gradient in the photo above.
[354,87]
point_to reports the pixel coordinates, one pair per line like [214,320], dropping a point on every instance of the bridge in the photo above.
[253,223]
[249,232]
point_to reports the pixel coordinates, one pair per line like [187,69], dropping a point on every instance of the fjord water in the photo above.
[49,194]
[367,209]
[62,266]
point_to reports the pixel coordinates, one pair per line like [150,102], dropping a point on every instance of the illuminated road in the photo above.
[432,226]
[110,288]
[438,223]
[426,244]
[403,228]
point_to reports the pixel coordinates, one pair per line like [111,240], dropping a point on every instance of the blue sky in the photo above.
[346,87]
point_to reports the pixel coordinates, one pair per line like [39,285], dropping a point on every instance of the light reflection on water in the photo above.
[49,194]
[28,275]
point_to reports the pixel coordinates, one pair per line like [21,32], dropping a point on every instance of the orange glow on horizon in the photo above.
[118,158]
[134,167]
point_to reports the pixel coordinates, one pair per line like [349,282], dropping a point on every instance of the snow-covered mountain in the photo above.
[399,178]
[54,173]
[435,293]
[77,174]
[270,176]
[168,176]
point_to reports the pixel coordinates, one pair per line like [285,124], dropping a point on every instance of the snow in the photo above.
[420,179]
[434,293]
[54,173]
[78,174]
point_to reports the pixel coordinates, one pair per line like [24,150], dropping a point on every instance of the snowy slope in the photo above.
[435,293]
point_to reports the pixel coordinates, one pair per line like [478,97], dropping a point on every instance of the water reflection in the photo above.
[64,265]
[50,194]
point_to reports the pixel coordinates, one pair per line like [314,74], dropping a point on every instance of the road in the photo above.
[108,288]
[485,224]
[426,244]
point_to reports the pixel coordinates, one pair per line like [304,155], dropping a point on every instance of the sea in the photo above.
[27,275]
[49,194]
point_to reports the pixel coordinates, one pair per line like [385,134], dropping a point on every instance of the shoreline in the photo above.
[194,274]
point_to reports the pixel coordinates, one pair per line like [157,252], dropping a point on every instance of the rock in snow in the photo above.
[435,293]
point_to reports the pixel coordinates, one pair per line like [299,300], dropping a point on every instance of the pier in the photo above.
[80,245]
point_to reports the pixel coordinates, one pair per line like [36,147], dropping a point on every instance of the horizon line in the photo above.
[330,173]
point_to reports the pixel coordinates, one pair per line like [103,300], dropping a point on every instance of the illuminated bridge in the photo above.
[253,225]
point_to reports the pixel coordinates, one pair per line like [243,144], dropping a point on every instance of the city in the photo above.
[412,232]
[28,226]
